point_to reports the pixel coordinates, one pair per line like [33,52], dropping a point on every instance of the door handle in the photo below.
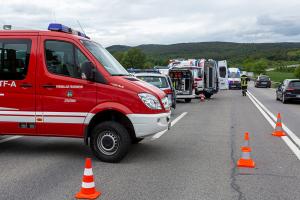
[49,86]
[26,85]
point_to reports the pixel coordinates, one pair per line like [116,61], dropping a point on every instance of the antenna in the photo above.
[80,26]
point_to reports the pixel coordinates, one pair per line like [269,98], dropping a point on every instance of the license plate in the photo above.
[264,83]
[233,86]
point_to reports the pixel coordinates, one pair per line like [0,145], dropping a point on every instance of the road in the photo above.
[196,159]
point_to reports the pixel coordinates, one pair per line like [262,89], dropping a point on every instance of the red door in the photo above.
[17,84]
[65,98]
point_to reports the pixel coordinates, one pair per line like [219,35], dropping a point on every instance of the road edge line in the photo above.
[290,133]
[287,140]
[10,138]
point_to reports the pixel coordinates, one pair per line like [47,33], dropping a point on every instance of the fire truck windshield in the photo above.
[105,58]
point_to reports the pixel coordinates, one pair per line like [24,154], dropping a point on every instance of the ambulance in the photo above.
[60,83]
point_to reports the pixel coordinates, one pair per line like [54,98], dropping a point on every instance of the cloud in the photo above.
[134,22]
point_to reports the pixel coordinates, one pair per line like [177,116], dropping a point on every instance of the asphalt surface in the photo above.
[196,159]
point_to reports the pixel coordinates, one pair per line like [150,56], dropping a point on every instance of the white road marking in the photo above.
[158,135]
[287,130]
[10,138]
[286,139]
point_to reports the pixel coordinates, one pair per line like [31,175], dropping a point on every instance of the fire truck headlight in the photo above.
[150,101]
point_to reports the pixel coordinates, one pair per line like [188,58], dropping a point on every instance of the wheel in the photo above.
[110,141]
[283,99]
[277,97]
[137,140]
[187,100]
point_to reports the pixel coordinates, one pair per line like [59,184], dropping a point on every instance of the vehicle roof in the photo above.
[292,79]
[39,33]
[150,74]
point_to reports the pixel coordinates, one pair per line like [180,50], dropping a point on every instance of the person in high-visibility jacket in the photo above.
[244,83]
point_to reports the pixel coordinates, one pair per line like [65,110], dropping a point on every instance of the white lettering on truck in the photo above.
[8,84]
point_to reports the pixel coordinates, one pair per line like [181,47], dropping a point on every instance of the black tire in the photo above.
[284,101]
[110,141]
[187,100]
[137,140]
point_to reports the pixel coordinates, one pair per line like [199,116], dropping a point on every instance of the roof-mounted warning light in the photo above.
[65,29]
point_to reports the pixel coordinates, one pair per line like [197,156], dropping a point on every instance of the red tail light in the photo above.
[168,91]
[290,89]
[198,79]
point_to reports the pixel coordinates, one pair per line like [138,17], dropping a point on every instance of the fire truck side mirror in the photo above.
[88,71]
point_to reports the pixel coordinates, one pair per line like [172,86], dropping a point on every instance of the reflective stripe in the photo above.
[48,117]
[64,120]
[88,172]
[88,118]
[4,108]
[17,119]
[88,185]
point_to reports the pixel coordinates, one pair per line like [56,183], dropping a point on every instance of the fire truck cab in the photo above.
[60,83]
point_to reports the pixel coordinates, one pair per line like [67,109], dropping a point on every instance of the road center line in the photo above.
[286,139]
[10,138]
[158,135]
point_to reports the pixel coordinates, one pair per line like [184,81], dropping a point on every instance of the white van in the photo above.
[234,78]
[223,75]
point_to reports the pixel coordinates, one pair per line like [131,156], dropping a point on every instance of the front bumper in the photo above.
[149,124]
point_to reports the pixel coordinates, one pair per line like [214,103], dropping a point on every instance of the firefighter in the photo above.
[244,84]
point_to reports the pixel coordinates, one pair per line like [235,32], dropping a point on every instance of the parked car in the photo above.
[161,81]
[60,83]
[288,90]
[263,81]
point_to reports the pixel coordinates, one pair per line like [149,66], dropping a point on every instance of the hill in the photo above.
[236,53]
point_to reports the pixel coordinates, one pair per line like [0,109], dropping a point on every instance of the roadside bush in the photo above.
[297,72]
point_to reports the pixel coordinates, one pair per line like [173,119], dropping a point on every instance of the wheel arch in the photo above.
[109,114]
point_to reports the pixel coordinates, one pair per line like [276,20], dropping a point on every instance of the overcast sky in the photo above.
[134,22]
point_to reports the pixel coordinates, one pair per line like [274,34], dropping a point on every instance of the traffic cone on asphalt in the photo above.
[246,160]
[278,128]
[88,190]
[246,147]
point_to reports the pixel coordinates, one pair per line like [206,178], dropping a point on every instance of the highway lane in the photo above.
[196,159]
[290,112]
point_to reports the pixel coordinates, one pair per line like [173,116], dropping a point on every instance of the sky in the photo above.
[135,22]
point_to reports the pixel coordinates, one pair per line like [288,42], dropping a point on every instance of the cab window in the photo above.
[63,58]
[14,59]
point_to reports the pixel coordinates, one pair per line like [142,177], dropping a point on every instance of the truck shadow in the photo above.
[38,147]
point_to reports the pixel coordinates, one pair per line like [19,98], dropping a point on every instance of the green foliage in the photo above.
[134,57]
[297,72]
[234,53]
[285,69]
[279,76]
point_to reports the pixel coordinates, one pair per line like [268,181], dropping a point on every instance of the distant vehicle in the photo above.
[288,90]
[223,75]
[161,81]
[211,78]
[263,81]
[234,78]
[183,82]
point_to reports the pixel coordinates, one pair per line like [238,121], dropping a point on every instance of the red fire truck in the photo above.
[60,83]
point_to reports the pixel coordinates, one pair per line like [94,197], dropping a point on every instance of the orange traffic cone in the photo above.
[278,128]
[246,147]
[88,190]
[246,160]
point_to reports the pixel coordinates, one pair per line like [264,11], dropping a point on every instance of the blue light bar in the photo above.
[65,29]
[59,27]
